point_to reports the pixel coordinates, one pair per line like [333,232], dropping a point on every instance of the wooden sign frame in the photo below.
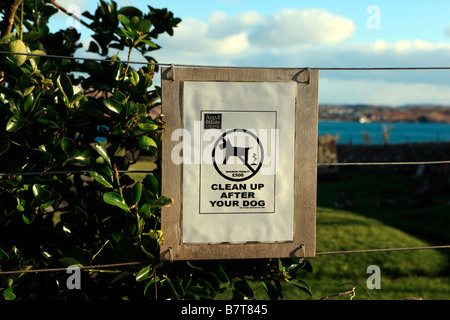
[305,164]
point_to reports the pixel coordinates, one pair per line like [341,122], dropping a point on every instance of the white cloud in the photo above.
[224,36]
[407,46]
[288,27]
[221,25]
[315,38]
[291,27]
[191,41]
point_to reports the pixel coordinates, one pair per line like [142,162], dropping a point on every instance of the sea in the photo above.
[352,132]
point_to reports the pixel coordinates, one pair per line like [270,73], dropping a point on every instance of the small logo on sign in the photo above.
[212,121]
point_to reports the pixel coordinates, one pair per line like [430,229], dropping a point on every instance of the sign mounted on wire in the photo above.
[233,141]
[232,186]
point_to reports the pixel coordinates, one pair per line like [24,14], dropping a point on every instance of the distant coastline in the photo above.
[354,132]
[369,113]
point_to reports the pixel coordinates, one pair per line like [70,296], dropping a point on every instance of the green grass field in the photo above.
[420,273]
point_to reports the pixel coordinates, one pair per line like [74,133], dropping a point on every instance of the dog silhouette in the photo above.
[231,151]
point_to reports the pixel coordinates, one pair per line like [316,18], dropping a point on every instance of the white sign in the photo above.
[238,161]
[240,156]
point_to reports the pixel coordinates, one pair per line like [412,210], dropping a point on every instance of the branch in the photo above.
[10,12]
[352,292]
[70,14]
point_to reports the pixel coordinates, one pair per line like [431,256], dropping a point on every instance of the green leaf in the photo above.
[190,264]
[237,295]
[151,182]
[294,268]
[69,261]
[150,43]
[15,123]
[135,23]
[30,36]
[136,192]
[115,199]
[80,158]
[3,98]
[125,21]
[163,201]
[103,153]
[134,77]
[198,291]
[151,284]
[81,214]
[112,105]
[8,294]
[40,192]
[143,274]
[148,126]
[120,97]
[11,68]
[67,144]
[28,217]
[93,47]
[65,85]
[29,102]
[271,290]
[19,205]
[130,11]
[145,211]
[301,285]
[222,276]
[5,38]
[92,67]
[146,142]
[99,178]
[175,286]
[244,288]
[307,266]
[35,59]
[125,33]
[213,281]
[48,123]
[3,256]
[144,26]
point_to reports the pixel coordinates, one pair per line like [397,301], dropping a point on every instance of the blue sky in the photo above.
[316,33]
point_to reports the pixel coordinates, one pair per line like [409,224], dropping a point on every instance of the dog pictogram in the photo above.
[231,151]
[240,152]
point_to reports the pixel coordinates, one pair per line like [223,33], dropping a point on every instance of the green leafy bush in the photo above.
[90,119]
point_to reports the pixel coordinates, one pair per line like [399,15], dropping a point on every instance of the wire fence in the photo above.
[99,268]
[62,172]
[333,164]
[228,67]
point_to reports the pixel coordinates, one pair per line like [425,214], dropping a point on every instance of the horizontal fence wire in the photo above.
[97,268]
[206,66]
[382,250]
[53,56]
[88,268]
[382,163]
[37,173]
